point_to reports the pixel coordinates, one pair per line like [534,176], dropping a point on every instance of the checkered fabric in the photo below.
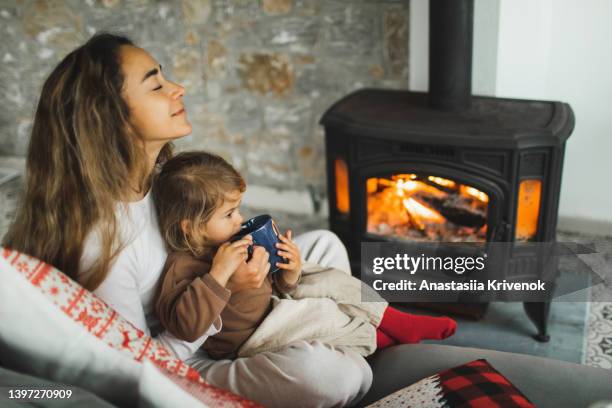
[478,385]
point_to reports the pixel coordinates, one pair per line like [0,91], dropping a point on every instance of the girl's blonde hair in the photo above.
[191,186]
[82,154]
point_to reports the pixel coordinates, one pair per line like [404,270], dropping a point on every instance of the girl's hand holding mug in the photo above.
[229,257]
[288,250]
[250,275]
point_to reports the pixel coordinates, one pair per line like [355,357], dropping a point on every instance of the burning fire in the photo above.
[420,213]
[426,208]
[528,209]
[475,193]
[442,181]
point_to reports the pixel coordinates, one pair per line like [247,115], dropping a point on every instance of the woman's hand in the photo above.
[229,257]
[288,250]
[250,275]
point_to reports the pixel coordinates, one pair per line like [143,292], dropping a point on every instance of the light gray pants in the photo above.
[304,374]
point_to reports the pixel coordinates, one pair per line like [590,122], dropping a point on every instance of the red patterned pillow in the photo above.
[103,322]
[472,385]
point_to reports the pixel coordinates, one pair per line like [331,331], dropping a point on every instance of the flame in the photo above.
[421,213]
[477,194]
[405,186]
[372,185]
[528,211]
[409,176]
[343,203]
[409,202]
[442,181]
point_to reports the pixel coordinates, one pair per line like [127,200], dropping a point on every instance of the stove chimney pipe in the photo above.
[451,25]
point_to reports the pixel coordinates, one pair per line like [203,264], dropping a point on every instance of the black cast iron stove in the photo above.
[445,165]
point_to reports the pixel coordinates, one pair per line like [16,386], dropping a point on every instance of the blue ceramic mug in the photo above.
[264,232]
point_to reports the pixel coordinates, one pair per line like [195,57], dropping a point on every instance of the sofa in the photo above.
[547,382]
[64,333]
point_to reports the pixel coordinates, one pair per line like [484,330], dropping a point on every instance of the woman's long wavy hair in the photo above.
[83,158]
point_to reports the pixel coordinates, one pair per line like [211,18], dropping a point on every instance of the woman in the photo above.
[105,119]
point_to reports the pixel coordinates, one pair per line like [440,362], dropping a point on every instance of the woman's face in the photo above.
[156,104]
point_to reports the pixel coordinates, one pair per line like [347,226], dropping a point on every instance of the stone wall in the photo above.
[259,74]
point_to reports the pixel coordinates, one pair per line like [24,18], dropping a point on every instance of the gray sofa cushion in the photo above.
[546,382]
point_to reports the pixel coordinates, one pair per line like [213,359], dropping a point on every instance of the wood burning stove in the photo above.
[446,165]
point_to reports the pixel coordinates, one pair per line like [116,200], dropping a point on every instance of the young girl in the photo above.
[197,196]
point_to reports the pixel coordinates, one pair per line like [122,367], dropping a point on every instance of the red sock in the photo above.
[409,328]
[382,340]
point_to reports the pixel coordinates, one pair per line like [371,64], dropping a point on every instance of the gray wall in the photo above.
[259,74]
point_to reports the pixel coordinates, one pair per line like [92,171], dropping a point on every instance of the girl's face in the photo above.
[156,104]
[225,221]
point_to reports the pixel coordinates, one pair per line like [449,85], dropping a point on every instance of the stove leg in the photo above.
[538,313]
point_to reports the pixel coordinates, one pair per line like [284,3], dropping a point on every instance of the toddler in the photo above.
[197,197]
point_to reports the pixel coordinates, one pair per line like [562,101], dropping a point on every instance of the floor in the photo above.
[505,327]
[599,336]
[598,347]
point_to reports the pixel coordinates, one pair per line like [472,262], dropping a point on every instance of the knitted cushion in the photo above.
[105,324]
